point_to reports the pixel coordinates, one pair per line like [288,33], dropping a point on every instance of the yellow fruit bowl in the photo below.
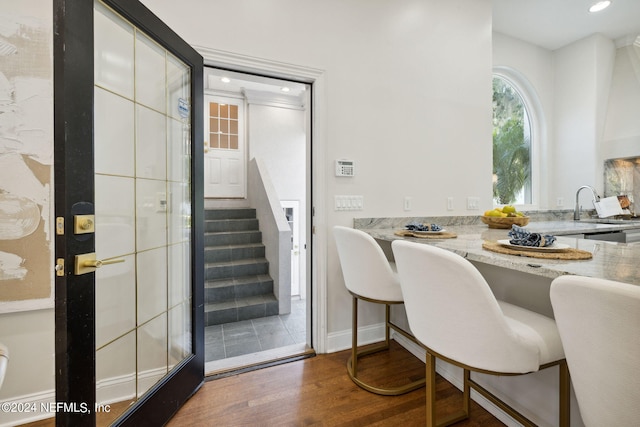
[504,222]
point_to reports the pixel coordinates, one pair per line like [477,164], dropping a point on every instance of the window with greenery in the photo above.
[511,145]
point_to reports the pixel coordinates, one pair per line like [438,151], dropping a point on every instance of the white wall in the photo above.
[408,89]
[278,136]
[581,85]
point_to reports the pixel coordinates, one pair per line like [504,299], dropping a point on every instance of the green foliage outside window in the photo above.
[511,143]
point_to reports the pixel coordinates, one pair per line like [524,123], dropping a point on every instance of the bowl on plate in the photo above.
[505,222]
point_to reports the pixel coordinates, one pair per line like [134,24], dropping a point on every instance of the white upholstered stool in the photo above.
[599,323]
[4,360]
[369,276]
[454,314]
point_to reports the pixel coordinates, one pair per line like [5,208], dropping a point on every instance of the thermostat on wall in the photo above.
[345,168]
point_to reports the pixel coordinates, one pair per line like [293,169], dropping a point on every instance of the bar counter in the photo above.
[612,261]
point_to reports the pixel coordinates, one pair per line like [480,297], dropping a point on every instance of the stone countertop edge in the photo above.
[546,222]
[611,261]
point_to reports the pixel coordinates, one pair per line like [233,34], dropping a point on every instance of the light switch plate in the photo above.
[349,203]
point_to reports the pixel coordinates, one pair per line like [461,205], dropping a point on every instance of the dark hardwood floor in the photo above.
[318,392]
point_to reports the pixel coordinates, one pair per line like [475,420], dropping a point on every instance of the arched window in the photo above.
[512,145]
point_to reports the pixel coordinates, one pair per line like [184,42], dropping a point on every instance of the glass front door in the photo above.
[132,256]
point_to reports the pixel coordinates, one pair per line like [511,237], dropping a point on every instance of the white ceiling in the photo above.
[240,82]
[553,24]
[550,24]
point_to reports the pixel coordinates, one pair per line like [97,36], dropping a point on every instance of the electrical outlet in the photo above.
[407,203]
[473,203]
[449,203]
[560,202]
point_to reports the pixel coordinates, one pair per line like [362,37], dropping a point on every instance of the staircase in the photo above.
[237,282]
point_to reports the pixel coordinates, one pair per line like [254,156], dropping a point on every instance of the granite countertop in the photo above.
[612,261]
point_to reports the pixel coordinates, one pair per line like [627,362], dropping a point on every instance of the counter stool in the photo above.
[453,313]
[4,360]
[369,276]
[599,323]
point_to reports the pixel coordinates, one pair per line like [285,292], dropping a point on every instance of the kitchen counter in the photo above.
[612,261]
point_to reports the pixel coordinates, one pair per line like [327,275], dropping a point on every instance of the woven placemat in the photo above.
[568,254]
[409,233]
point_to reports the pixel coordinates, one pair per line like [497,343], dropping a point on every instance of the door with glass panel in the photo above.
[224,158]
[128,214]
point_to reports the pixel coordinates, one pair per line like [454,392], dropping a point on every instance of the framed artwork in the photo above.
[26,156]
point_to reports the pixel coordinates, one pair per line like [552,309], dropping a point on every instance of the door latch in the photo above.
[60,267]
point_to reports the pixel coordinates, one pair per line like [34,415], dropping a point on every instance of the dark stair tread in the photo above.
[230,213]
[237,281]
[218,233]
[240,302]
[235,246]
[245,261]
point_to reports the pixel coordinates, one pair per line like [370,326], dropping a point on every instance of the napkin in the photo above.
[415,226]
[523,237]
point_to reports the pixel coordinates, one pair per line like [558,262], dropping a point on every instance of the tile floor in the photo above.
[251,336]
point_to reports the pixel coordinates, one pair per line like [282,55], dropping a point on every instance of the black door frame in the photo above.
[74,194]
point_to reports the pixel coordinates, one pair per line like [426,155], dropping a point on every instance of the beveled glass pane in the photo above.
[114,147]
[233,142]
[151,149]
[224,141]
[224,110]
[114,45]
[152,352]
[224,126]
[178,150]
[233,127]
[150,73]
[179,215]
[178,88]
[116,376]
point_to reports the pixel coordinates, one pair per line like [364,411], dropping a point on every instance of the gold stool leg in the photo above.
[565,396]
[352,363]
[462,414]
[431,389]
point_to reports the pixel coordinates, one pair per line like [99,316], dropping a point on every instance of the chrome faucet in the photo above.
[596,198]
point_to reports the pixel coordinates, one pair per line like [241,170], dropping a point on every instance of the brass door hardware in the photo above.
[60,226]
[83,224]
[60,267]
[87,263]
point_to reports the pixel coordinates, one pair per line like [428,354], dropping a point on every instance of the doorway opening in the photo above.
[261,123]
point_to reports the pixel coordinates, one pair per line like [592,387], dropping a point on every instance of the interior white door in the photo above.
[224,157]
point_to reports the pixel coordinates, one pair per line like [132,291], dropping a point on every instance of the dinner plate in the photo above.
[555,247]
[428,232]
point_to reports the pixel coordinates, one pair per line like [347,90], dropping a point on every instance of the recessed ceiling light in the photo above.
[601,5]
[285,89]
[225,80]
